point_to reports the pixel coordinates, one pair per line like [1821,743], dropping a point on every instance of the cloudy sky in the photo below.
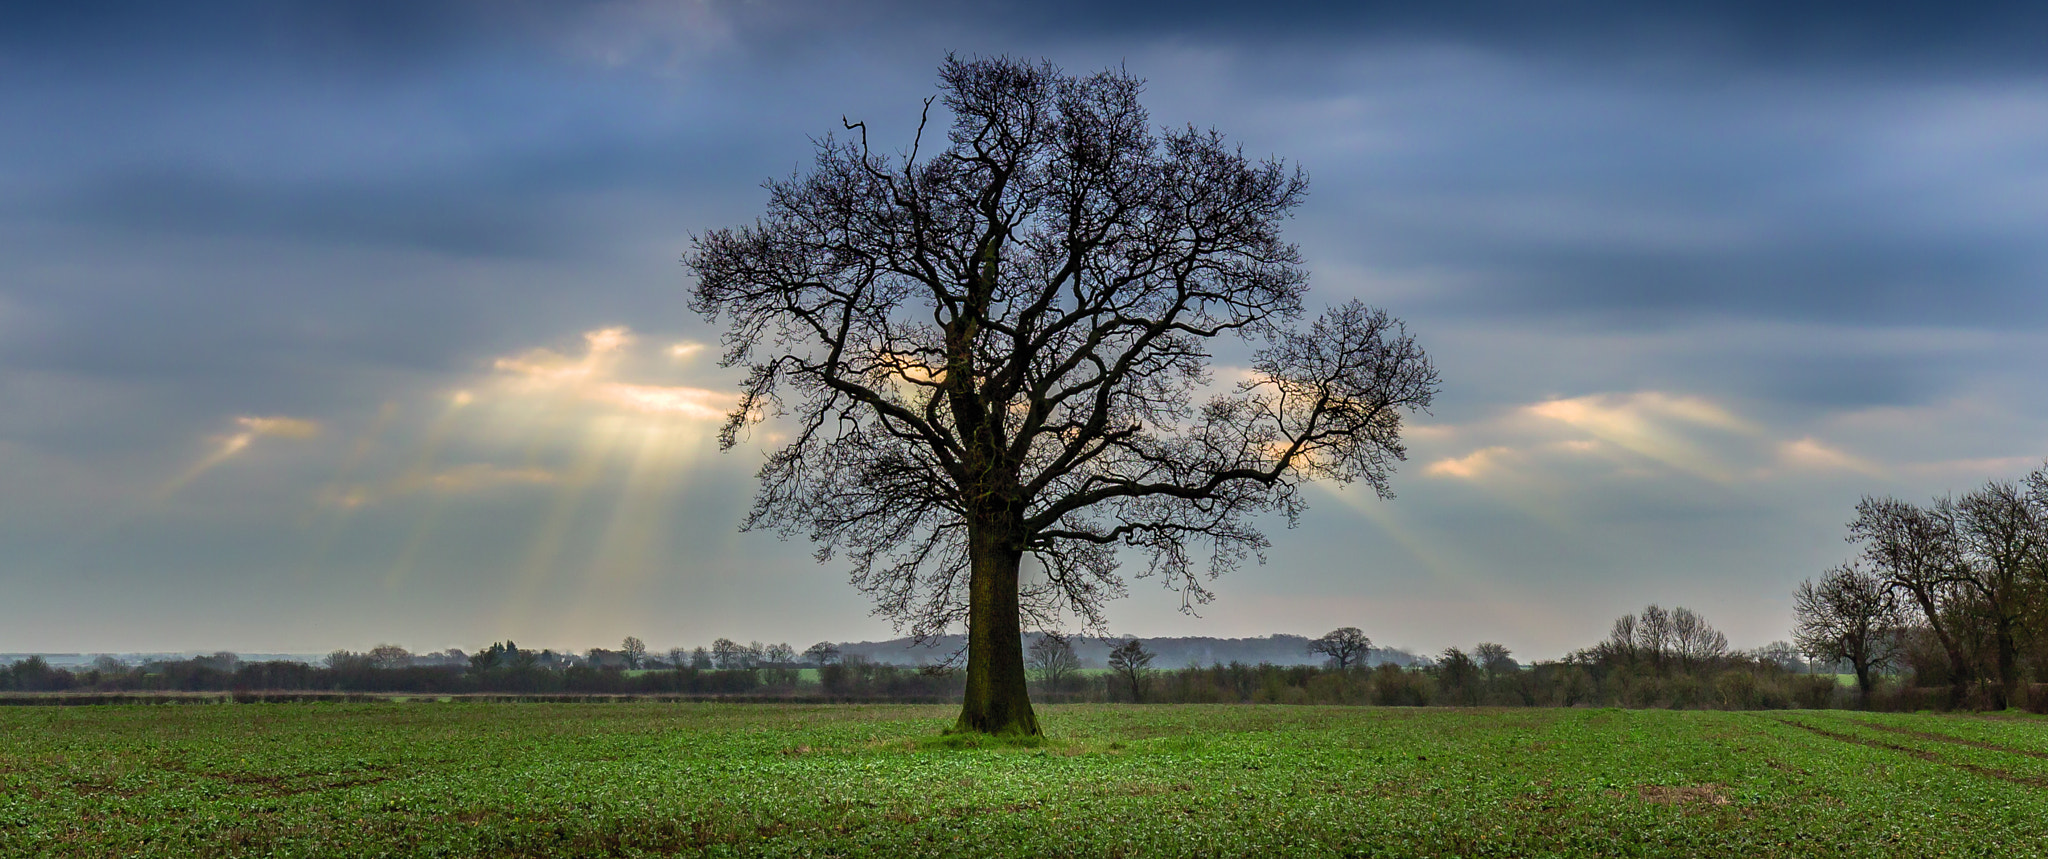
[321,328]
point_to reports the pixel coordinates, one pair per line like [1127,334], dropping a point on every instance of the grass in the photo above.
[463,779]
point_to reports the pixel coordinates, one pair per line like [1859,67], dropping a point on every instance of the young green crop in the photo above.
[463,779]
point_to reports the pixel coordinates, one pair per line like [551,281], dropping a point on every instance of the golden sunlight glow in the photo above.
[1634,414]
[1425,432]
[231,445]
[910,374]
[1649,424]
[546,367]
[281,427]
[1470,465]
[696,403]
[1809,453]
[1645,435]
[610,412]
[602,436]
[1514,478]
[594,378]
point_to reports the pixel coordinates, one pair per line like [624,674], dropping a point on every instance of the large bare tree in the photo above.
[1850,614]
[2003,539]
[1974,567]
[999,347]
[1914,550]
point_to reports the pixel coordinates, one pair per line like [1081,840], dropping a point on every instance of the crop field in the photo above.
[466,779]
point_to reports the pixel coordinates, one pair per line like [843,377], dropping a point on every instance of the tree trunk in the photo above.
[1958,677]
[1958,666]
[997,700]
[2008,665]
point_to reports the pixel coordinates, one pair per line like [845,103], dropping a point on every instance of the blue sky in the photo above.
[322,328]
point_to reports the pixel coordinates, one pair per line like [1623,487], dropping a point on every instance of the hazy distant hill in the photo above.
[82,660]
[1094,652]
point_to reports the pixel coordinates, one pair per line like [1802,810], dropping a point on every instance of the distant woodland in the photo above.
[1696,671]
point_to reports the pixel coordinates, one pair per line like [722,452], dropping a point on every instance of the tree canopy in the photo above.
[1000,346]
[1344,646]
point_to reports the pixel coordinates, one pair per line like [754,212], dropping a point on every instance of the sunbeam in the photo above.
[1652,425]
[550,538]
[422,472]
[337,501]
[636,535]
[229,446]
[1527,617]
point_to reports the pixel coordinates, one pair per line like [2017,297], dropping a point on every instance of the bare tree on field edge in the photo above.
[1345,646]
[1130,661]
[997,345]
[1850,614]
[822,654]
[1052,656]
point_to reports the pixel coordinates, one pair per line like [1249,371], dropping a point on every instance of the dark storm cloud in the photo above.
[470,219]
[1823,278]
[1589,202]
[1893,35]
[1836,381]
[507,204]
[455,133]
[380,34]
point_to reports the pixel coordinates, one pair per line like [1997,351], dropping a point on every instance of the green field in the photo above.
[427,779]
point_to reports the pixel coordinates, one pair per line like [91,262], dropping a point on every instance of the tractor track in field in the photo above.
[1960,741]
[1922,754]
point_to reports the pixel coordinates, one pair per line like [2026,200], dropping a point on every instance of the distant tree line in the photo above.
[1169,651]
[726,667]
[1486,677]
[1655,658]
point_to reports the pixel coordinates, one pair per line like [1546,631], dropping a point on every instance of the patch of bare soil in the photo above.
[1691,794]
[1144,789]
[279,785]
